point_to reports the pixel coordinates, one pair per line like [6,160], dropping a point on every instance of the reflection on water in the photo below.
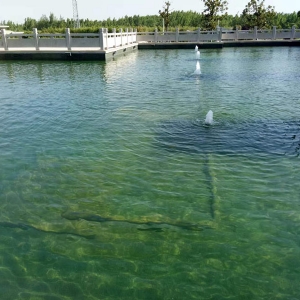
[94,207]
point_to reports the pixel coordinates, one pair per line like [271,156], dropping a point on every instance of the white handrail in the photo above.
[221,35]
[104,40]
[101,40]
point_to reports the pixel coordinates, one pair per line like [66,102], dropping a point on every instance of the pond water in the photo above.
[113,187]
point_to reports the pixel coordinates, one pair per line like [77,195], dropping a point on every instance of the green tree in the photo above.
[43,23]
[165,14]
[256,14]
[185,20]
[214,11]
[29,24]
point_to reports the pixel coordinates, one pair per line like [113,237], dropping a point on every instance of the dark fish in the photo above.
[70,215]
[14,225]
[269,137]
[26,227]
[151,229]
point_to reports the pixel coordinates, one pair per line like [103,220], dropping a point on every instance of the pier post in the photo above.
[121,35]
[36,39]
[4,39]
[274,33]
[101,39]
[198,35]
[255,33]
[68,38]
[293,32]
[155,35]
[236,34]
[115,37]
[127,39]
[177,35]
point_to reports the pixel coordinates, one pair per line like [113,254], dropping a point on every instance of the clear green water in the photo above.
[97,139]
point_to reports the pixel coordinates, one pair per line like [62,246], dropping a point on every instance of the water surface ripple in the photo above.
[112,186]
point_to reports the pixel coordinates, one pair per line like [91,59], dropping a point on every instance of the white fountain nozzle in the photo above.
[209,118]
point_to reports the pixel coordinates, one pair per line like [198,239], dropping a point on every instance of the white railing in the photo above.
[220,35]
[178,36]
[67,41]
[114,39]
[103,40]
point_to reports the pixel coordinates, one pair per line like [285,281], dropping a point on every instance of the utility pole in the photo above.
[75,14]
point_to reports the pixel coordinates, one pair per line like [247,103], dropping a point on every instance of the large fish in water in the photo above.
[151,225]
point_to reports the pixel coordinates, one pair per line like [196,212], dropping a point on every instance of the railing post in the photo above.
[68,38]
[155,35]
[177,35]
[106,38]
[115,37]
[131,35]
[36,39]
[121,35]
[220,34]
[255,33]
[101,39]
[4,39]
[274,33]
[198,35]
[236,34]
[127,41]
[293,32]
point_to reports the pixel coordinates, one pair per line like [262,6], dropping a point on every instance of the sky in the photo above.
[18,10]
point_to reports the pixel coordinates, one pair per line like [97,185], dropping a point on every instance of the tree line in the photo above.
[214,14]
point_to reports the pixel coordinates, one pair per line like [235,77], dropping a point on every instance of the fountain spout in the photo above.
[209,118]
[198,69]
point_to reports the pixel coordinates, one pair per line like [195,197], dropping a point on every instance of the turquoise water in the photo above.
[112,187]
